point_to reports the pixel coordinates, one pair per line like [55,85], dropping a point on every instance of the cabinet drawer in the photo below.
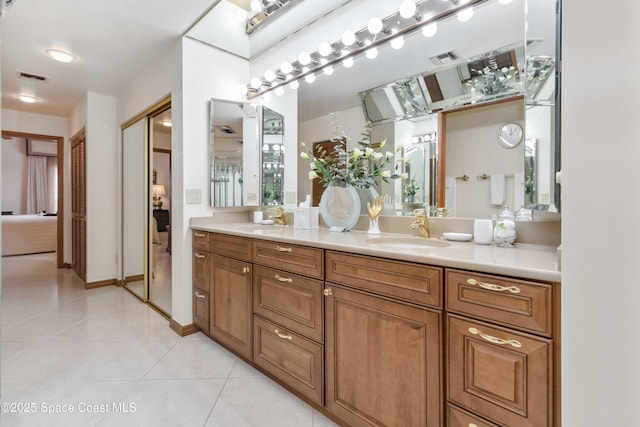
[200,240]
[296,361]
[456,417]
[411,282]
[200,269]
[293,258]
[293,301]
[517,303]
[230,246]
[499,374]
[201,309]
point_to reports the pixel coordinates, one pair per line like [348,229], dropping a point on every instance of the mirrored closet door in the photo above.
[146,206]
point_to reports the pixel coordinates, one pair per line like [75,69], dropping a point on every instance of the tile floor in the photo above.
[115,362]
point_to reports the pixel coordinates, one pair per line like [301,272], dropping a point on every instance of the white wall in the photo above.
[102,188]
[600,230]
[206,73]
[473,150]
[14,176]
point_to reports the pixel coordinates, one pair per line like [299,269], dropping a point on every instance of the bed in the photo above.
[28,234]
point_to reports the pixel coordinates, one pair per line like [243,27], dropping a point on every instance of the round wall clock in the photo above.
[510,135]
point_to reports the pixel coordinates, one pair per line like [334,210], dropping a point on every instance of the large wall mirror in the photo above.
[463,60]
[271,134]
[229,121]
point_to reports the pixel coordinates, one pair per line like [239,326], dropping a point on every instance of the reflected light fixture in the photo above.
[465,14]
[375,25]
[166,123]
[325,49]
[348,38]
[310,78]
[294,85]
[408,9]
[371,53]
[256,6]
[286,67]
[270,75]
[397,42]
[328,70]
[348,63]
[304,58]
[255,83]
[430,30]
[27,98]
[60,55]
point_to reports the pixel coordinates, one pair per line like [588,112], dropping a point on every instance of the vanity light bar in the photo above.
[337,56]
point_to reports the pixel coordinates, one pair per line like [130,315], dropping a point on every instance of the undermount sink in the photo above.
[407,242]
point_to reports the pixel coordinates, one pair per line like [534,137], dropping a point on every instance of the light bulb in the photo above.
[397,42]
[328,70]
[371,53]
[270,75]
[255,83]
[310,78]
[430,30]
[407,9]
[375,25]
[294,85]
[304,58]
[465,15]
[286,67]
[348,38]
[348,63]
[325,49]
[279,91]
[241,15]
[256,6]
[265,147]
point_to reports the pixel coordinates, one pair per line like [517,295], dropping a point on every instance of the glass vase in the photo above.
[340,205]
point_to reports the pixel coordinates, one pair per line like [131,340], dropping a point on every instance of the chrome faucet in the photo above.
[278,215]
[421,223]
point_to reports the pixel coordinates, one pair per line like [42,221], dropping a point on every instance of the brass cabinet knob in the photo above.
[245,270]
[327,292]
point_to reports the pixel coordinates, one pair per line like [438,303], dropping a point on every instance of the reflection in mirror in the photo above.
[272,156]
[227,121]
[542,106]
[133,208]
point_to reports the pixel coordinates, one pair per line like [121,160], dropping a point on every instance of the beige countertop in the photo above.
[525,261]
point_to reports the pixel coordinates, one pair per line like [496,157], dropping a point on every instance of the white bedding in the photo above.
[28,234]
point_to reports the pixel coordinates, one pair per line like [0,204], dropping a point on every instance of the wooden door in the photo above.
[383,361]
[230,315]
[79,205]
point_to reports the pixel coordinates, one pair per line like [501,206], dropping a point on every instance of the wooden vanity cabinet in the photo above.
[383,360]
[231,312]
[288,324]
[500,352]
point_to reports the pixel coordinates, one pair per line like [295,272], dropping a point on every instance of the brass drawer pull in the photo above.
[200,256]
[496,340]
[199,295]
[245,270]
[283,279]
[492,287]
[281,249]
[283,336]
[199,235]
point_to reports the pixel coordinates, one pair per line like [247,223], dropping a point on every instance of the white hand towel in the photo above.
[497,188]
[518,191]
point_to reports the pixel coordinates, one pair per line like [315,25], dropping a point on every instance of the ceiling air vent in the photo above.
[445,58]
[225,129]
[33,77]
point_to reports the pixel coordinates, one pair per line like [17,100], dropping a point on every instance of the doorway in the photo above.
[13,136]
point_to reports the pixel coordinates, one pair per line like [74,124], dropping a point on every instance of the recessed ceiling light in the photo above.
[27,98]
[60,55]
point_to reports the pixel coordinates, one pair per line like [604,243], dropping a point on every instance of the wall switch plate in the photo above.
[194,196]
[290,197]
[252,197]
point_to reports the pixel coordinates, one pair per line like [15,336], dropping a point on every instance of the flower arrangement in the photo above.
[411,187]
[493,81]
[363,166]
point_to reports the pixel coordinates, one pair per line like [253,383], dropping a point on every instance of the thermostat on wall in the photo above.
[194,196]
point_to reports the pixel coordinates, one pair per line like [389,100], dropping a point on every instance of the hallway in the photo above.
[113,361]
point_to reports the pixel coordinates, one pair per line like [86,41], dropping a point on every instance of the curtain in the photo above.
[40,194]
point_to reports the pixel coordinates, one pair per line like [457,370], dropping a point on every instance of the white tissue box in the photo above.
[305,218]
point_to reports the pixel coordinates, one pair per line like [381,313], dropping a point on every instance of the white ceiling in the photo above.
[112,39]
